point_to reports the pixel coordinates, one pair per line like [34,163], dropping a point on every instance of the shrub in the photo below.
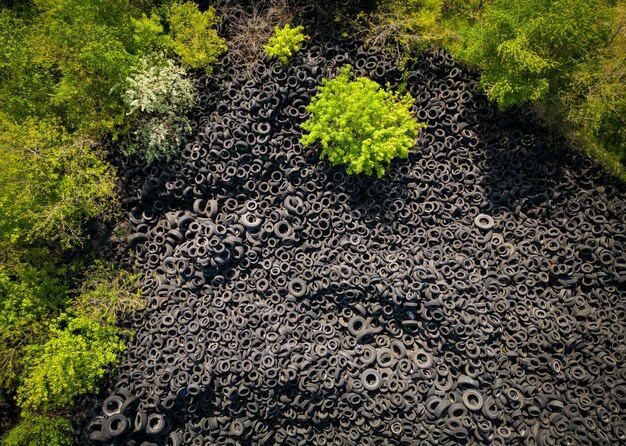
[360,124]
[29,294]
[25,87]
[106,293]
[159,96]
[285,42]
[193,37]
[82,343]
[148,34]
[528,48]
[86,47]
[39,430]
[68,364]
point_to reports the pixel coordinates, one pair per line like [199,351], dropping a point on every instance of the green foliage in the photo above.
[89,47]
[59,62]
[193,37]
[39,430]
[106,293]
[24,86]
[68,364]
[50,184]
[285,42]
[67,60]
[360,124]
[403,28]
[527,48]
[81,343]
[159,96]
[63,65]
[596,100]
[51,363]
[148,33]
[29,294]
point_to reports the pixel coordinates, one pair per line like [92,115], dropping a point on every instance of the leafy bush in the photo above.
[285,42]
[159,96]
[39,430]
[527,48]
[68,364]
[25,87]
[360,124]
[194,38]
[106,293]
[29,294]
[148,33]
[50,184]
[48,364]
[81,344]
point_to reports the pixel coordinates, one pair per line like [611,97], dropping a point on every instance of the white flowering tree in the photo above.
[160,94]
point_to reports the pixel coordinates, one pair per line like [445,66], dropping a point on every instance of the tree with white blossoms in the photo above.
[160,94]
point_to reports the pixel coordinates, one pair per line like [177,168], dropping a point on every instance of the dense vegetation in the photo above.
[77,73]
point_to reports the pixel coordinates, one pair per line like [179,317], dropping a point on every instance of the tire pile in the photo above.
[474,295]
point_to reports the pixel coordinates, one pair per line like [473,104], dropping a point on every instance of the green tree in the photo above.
[193,35]
[50,184]
[51,363]
[360,124]
[49,358]
[25,87]
[68,364]
[89,47]
[30,292]
[595,103]
[527,48]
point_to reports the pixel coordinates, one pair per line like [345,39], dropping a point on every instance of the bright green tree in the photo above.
[68,363]
[49,359]
[527,48]
[30,292]
[360,124]
[81,343]
[89,47]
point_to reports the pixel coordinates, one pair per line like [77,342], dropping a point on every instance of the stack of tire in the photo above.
[474,295]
